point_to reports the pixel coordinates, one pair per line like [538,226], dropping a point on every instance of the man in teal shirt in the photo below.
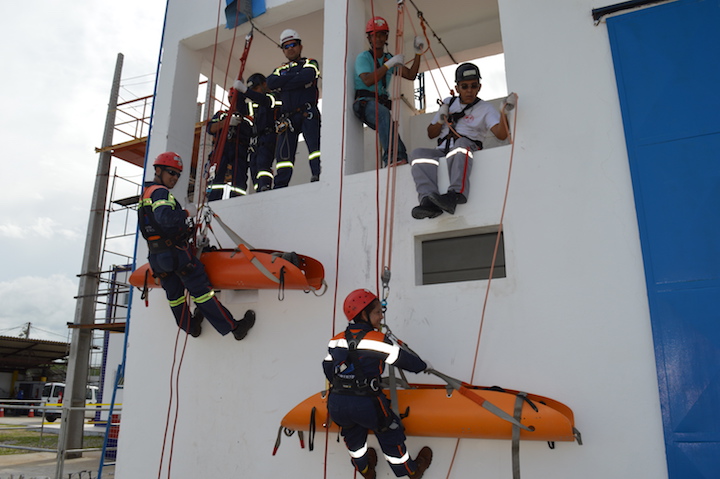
[373,71]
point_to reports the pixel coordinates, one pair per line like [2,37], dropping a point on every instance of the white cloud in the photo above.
[46,302]
[11,231]
[42,227]
[54,107]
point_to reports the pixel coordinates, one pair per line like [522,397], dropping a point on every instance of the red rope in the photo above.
[492,269]
[177,401]
[339,223]
[222,138]
[497,241]
[173,393]
[175,374]
[377,163]
[201,182]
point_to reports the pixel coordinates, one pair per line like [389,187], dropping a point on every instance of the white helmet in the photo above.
[288,35]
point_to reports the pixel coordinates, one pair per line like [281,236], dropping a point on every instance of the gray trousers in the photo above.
[425,163]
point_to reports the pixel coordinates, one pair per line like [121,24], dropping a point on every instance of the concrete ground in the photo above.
[43,465]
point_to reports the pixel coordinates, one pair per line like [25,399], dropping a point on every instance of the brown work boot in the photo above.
[372,462]
[423,460]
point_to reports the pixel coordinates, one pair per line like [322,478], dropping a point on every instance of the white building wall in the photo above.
[570,320]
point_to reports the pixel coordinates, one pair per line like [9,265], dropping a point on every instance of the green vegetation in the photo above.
[31,438]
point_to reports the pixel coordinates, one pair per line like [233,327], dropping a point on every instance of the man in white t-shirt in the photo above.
[460,125]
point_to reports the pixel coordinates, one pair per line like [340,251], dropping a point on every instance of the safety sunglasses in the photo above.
[465,86]
[173,173]
[290,45]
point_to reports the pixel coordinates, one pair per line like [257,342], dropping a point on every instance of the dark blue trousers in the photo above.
[357,415]
[307,123]
[232,169]
[183,271]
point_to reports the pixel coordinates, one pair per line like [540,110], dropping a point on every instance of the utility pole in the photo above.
[26,331]
[71,428]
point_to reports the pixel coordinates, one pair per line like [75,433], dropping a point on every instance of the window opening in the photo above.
[462,257]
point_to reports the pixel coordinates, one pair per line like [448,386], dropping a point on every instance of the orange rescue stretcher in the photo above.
[436,411]
[243,268]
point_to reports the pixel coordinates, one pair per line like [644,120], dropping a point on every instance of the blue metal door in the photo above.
[667,65]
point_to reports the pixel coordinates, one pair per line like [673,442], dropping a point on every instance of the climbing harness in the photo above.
[452,120]
[349,378]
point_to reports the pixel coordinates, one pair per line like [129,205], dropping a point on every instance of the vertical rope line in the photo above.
[177,401]
[169,409]
[173,373]
[492,271]
[452,461]
[377,161]
[339,222]
[201,181]
[393,147]
[497,242]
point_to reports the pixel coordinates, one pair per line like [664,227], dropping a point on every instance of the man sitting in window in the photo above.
[460,125]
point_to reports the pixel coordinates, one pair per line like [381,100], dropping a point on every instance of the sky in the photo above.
[58,65]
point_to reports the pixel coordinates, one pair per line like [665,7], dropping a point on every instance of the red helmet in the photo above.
[356,302]
[376,24]
[170,159]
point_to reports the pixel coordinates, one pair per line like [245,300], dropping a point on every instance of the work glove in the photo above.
[510,102]
[240,86]
[394,61]
[419,45]
[234,120]
[428,368]
[191,210]
[443,111]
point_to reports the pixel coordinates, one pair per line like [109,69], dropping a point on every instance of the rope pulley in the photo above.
[385,278]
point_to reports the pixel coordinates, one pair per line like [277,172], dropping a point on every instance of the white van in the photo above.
[53,396]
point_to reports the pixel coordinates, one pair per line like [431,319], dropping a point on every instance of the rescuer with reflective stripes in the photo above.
[294,83]
[167,227]
[356,359]
[461,124]
[232,168]
[373,73]
[263,110]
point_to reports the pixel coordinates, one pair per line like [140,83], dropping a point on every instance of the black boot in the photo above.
[446,202]
[426,209]
[195,321]
[244,325]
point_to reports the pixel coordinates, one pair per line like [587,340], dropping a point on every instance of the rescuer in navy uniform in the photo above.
[263,111]
[232,168]
[356,359]
[164,224]
[295,85]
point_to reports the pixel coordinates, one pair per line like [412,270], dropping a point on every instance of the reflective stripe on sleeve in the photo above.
[392,350]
